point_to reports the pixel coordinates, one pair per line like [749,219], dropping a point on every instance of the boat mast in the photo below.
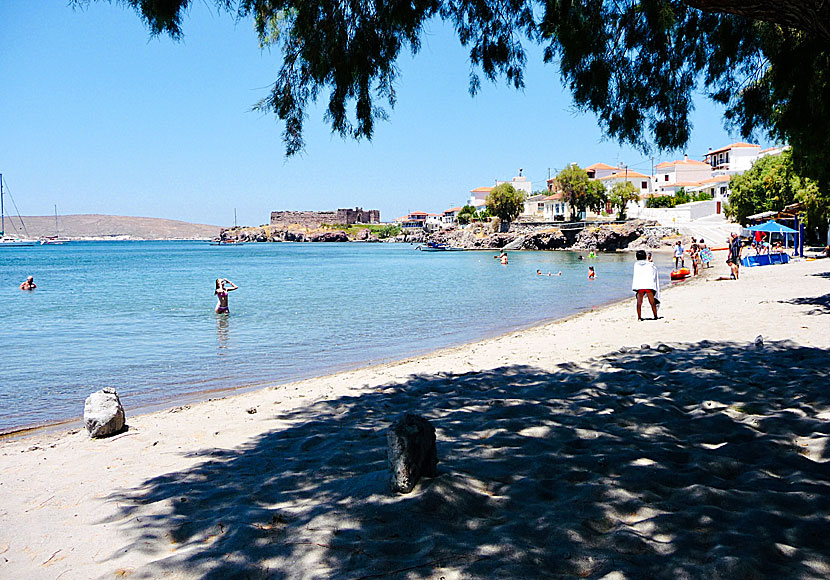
[2,212]
[234,218]
[56,220]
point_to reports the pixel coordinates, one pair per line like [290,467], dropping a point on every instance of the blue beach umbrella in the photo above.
[773,227]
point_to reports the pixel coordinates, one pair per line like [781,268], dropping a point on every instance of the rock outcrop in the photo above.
[411,451]
[103,413]
[609,237]
[334,236]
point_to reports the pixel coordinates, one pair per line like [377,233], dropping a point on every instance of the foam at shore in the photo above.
[559,456]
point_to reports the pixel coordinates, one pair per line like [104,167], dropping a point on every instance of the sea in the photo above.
[139,316]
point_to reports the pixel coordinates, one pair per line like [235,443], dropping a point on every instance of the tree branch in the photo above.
[811,16]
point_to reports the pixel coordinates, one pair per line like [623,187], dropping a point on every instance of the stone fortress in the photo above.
[314,219]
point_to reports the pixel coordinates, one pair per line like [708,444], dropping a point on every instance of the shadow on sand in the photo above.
[821,303]
[709,461]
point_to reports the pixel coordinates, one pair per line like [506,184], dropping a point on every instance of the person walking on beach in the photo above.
[734,260]
[28,284]
[222,294]
[678,255]
[646,283]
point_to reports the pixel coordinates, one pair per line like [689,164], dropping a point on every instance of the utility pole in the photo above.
[651,181]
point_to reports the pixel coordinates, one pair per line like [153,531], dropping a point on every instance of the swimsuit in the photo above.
[219,308]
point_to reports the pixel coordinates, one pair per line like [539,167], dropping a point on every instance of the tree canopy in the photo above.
[636,64]
[573,183]
[621,193]
[771,184]
[505,202]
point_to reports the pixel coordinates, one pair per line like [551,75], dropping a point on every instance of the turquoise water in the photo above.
[138,316]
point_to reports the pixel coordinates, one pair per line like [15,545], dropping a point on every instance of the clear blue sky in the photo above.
[98,117]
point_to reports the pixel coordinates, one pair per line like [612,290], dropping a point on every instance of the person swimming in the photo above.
[221,293]
[591,274]
[28,284]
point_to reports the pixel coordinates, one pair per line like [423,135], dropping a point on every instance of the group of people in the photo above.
[762,245]
[699,252]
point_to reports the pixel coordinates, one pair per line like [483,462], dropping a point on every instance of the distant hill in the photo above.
[96,226]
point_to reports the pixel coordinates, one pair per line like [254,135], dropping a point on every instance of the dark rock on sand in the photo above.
[103,413]
[411,451]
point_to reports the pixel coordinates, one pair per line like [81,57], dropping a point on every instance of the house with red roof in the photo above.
[413,220]
[448,216]
[672,175]
[478,196]
[733,159]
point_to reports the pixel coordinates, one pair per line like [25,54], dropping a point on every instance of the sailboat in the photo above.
[220,241]
[56,239]
[9,241]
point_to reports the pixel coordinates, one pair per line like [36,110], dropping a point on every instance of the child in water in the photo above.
[591,274]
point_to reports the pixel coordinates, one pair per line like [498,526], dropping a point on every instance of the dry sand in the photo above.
[560,457]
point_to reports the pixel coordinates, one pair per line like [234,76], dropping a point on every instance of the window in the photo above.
[540,206]
[644,185]
[666,177]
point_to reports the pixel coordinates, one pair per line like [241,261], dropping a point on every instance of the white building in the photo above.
[478,196]
[672,175]
[600,170]
[519,183]
[433,222]
[733,159]
[448,216]
[642,183]
[534,207]
[555,208]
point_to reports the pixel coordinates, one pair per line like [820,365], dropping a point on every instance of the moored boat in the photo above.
[438,247]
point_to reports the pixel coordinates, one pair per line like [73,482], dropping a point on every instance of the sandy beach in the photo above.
[574,449]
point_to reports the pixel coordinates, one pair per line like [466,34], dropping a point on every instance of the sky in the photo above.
[97,116]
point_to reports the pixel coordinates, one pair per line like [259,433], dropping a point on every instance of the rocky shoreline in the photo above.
[598,237]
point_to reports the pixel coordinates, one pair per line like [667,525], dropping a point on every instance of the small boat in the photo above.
[9,241]
[228,241]
[438,247]
[219,242]
[680,274]
[55,240]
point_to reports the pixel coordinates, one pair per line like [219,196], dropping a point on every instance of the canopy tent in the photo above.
[773,227]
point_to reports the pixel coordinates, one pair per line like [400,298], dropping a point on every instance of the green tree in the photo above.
[465,215]
[635,64]
[662,201]
[773,183]
[596,196]
[621,194]
[573,182]
[505,203]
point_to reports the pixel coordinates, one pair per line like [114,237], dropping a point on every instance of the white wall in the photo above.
[683,213]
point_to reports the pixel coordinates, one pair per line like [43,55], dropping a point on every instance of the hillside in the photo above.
[96,226]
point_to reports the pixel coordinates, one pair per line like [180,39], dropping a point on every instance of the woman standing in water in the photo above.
[222,294]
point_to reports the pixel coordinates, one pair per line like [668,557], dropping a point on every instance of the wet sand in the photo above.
[565,450]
